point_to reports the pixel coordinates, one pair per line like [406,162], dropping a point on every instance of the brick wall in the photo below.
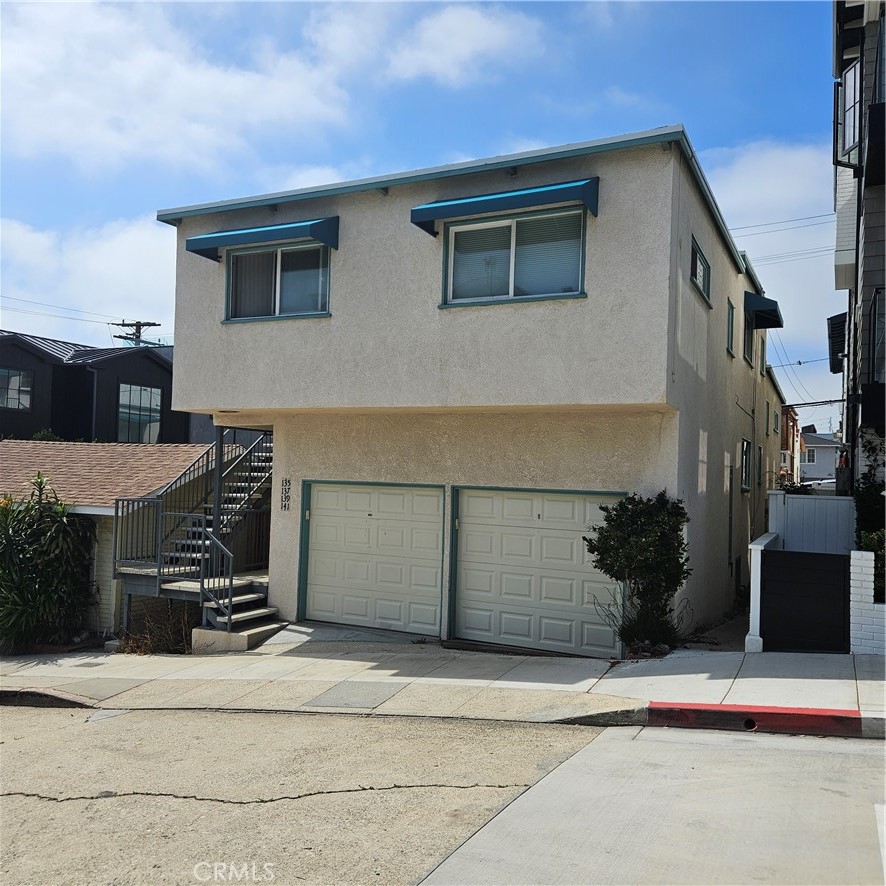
[867,620]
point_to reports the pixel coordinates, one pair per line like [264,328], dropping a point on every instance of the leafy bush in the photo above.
[876,542]
[870,505]
[641,545]
[47,435]
[787,484]
[44,568]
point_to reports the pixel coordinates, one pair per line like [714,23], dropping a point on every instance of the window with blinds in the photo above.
[538,255]
[292,281]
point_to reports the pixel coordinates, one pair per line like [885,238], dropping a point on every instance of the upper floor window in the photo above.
[851,110]
[289,281]
[138,414]
[759,465]
[524,256]
[807,457]
[775,419]
[746,458]
[749,337]
[700,271]
[730,327]
[15,389]
[762,355]
[767,418]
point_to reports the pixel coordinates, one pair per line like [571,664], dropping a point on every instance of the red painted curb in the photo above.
[742,718]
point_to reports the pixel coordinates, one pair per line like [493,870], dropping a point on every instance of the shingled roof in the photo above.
[92,475]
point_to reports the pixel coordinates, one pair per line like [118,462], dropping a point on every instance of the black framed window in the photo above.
[16,386]
[138,414]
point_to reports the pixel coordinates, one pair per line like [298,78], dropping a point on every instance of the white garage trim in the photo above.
[372,555]
[521,575]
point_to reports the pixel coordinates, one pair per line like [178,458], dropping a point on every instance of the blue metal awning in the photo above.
[585,191]
[323,230]
[764,311]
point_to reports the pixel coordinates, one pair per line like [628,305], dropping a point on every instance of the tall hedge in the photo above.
[44,568]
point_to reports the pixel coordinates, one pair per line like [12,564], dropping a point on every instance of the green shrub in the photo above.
[44,568]
[876,543]
[641,545]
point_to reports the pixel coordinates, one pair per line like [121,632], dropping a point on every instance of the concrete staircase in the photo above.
[252,622]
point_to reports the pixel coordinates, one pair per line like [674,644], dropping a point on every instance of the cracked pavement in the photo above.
[145,796]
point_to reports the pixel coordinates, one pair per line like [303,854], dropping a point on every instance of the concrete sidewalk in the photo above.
[319,669]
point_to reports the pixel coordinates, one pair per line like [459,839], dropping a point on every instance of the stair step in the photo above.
[242,598]
[247,615]
[214,584]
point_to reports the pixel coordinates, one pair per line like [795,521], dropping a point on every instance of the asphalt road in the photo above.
[206,797]
[191,797]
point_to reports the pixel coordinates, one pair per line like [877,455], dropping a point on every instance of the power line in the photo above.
[784,221]
[800,362]
[792,228]
[58,316]
[784,350]
[44,304]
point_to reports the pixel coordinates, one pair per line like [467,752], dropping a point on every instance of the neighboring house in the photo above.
[90,477]
[80,392]
[460,365]
[819,456]
[790,444]
[856,337]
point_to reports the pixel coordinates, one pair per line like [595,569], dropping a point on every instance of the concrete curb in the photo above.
[749,718]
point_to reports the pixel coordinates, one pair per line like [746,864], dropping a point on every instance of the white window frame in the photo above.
[278,276]
[748,336]
[850,100]
[804,456]
[501,222]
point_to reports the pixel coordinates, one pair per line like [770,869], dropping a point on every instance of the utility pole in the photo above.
[137,326]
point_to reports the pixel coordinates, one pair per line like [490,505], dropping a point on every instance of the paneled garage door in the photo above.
[374,557]
[524,575]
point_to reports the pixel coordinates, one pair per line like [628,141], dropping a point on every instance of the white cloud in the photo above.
[772,182]
[458,45]
[104,85]
[124,269]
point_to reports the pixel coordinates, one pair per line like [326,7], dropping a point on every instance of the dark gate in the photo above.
[804,602]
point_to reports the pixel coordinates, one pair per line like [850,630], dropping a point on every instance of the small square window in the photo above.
[15,389]
[285,282]
[700,271]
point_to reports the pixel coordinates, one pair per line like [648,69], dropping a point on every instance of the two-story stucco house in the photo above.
[461,364]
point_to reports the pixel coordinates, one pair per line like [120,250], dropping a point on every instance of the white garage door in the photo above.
[524,574]
[374,557]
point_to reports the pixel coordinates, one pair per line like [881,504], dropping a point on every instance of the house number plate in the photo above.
[285,493]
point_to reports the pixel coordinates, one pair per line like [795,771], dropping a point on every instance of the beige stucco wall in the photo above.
[594,449]
[721,399]
[388,345]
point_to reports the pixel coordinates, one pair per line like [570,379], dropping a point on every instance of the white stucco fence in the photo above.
[867,620]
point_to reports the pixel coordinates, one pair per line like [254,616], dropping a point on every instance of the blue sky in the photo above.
[112,111]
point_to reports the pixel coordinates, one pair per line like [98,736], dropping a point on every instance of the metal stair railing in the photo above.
[168,532]
[217,580]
